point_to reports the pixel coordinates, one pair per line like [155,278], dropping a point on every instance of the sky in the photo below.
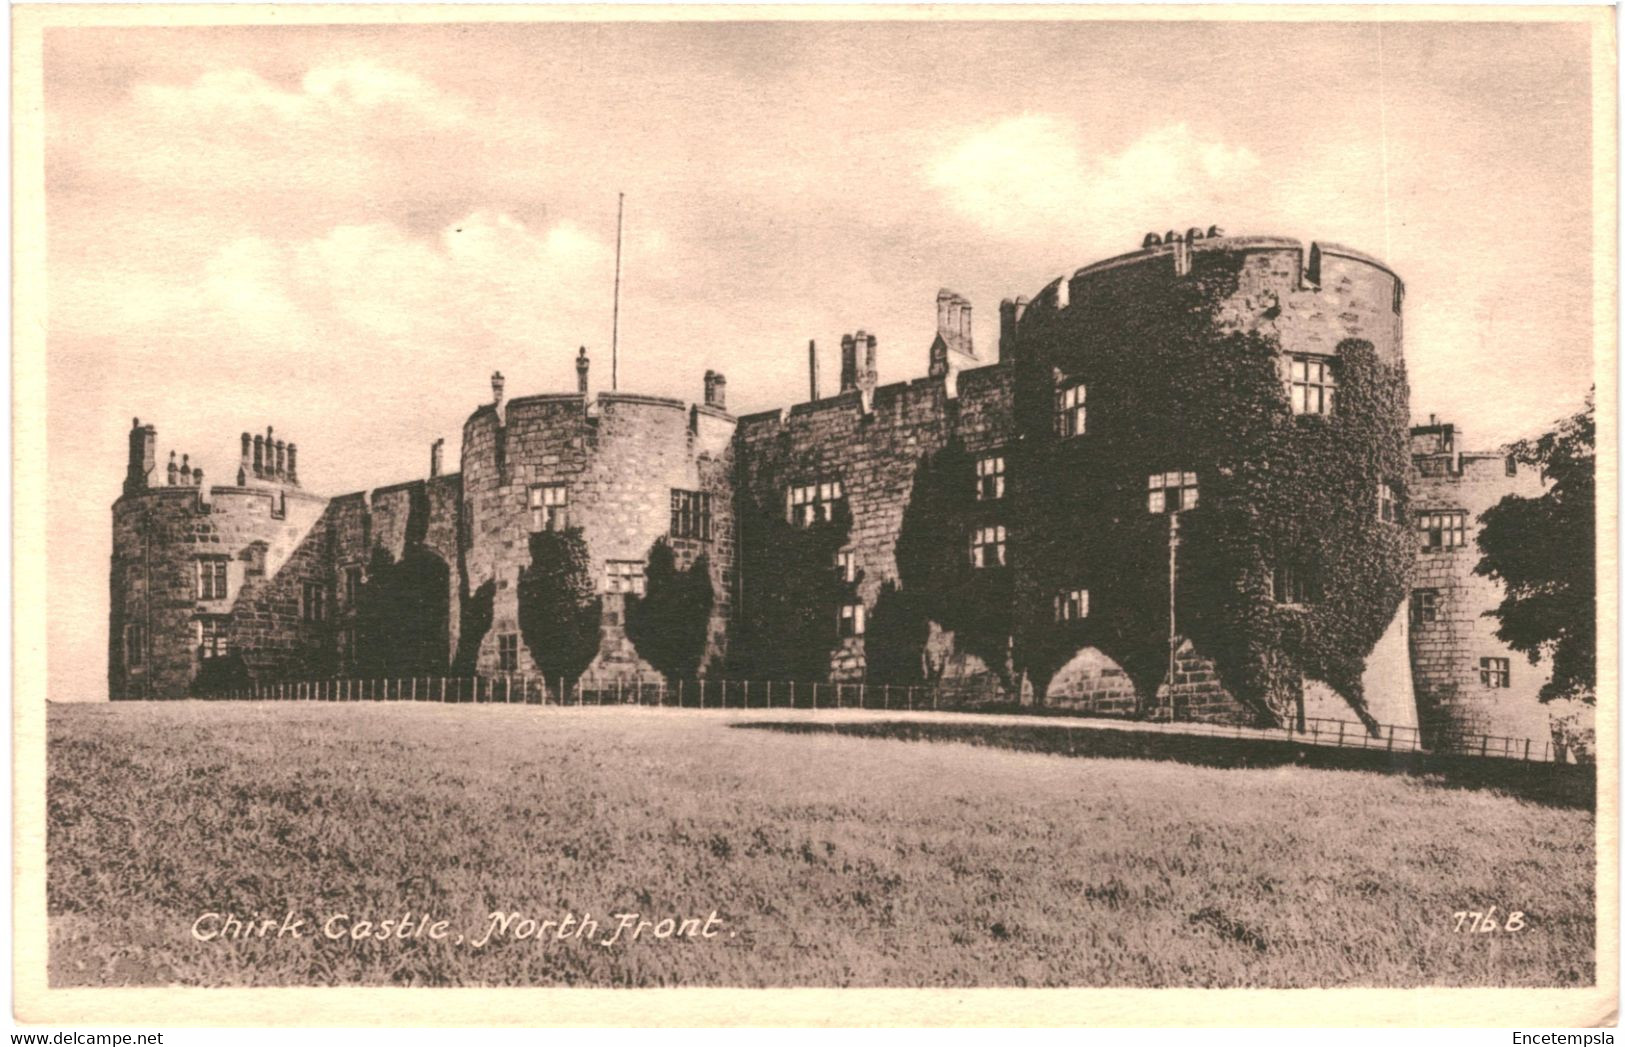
[342,231]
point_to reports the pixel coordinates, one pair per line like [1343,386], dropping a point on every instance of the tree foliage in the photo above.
[1544,552]
[559,609]
[789,608]
[934,564]
[669,624]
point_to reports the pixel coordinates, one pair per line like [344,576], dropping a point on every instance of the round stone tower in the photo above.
[625,470]
[1212,467]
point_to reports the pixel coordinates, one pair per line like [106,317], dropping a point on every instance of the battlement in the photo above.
[1311,299]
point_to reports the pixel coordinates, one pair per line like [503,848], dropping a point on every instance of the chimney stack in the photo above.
[436,454]
[582,364]
[954,322]
[812,368]
[281,460]
[143,456]
[849,363]
[293,464]
[186,470]
[716,390]
[498,383]
[174,469]
[259,455]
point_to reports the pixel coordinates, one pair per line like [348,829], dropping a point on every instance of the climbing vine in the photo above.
[1169,388]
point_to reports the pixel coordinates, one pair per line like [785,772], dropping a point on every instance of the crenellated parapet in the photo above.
[1311,299]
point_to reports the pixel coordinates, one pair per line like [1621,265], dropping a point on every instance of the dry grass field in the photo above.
[828,859]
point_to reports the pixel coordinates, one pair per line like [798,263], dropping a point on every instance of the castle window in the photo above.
[690,514]
[1314,383]
[810,503]
[851,620]
[1295,582]
[1424,606]
[1071,415]
[352,586]
[987,546]
[508,653]
[624,576]
[990,478]
[1171,492]
[1387,510]
[549,507]
[135,646]
[211,578]
[1072,605]
[846,565]
[1442,530]
[212,639]
[313,602]
[1495,672]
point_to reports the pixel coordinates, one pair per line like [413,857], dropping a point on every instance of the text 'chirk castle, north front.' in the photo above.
[1187,481]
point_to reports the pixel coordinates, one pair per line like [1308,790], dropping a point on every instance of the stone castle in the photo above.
[265,574]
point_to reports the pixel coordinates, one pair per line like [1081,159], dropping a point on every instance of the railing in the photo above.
[526,689]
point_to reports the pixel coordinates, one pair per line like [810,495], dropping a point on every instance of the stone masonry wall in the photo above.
[1445,651]
[875,455]
[273,542]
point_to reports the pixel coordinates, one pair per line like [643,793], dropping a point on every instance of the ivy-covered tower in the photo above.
[1209,482]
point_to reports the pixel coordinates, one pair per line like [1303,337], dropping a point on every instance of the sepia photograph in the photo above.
[787,498]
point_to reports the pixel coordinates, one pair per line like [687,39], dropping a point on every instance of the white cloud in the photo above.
[223,100]
[1034,177]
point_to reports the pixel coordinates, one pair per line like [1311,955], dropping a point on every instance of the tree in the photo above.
[669,624]
[1543,551]
[788,619]
[559,613]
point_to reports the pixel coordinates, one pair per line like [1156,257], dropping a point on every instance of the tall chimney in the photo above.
[293,464]
[498,383]
[849,363]
[173,469]
[281,460]
[967,343]
[259,455]
[871,372]
[716,390]
[248,445]
[582,364]
[812,368]
[143,456]
[436,453]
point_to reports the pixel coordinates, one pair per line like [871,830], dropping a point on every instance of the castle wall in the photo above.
[1445,651]
[621,463]
[875,454]
[273,542]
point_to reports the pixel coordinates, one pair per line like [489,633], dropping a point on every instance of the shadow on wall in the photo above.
[1554,785]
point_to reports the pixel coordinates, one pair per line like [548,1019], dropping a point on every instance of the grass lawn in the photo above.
[828,859]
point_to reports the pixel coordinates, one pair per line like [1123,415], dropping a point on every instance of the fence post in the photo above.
[1390,737]
[1483,745]
[934,691]
[1340,734]
[1526,749]
[792,694]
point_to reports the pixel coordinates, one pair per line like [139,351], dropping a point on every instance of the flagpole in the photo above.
[615,328]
